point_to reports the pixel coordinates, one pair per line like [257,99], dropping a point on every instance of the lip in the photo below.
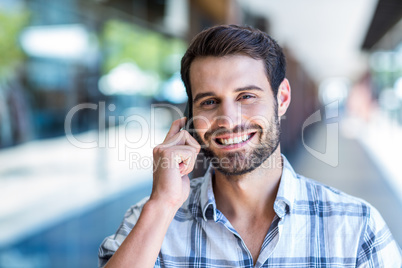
[232,136]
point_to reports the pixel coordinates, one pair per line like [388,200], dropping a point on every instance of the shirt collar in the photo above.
[287,191]
[284,199]
[207,197]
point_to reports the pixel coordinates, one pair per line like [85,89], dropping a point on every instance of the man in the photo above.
[250,209]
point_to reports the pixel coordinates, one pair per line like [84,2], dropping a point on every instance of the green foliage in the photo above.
[122,42]
[11,24]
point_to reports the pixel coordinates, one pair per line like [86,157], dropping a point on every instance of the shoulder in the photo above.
[339,211]
[131,217]
[111,243]
[133,213]
[310,197]
[355,218]
[327,197]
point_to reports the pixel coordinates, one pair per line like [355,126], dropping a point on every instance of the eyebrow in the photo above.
[209,94]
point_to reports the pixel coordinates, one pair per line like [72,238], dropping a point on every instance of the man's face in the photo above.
[234,112]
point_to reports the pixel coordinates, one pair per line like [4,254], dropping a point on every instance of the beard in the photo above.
[242,162]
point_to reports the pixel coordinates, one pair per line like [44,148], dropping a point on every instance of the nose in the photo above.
[228,115]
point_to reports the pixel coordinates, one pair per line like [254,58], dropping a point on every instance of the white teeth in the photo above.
[235,140]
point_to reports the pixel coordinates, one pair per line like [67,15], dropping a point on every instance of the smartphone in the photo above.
[189,124]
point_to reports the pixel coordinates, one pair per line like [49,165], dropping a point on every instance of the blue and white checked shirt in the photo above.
[314,226]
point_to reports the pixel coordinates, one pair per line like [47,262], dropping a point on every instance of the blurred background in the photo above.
[88,88]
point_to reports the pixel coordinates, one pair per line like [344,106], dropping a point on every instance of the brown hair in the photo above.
[227,40]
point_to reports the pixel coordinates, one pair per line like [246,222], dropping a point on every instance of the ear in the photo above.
[283,97]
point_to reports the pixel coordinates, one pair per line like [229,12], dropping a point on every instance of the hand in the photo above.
[174,159]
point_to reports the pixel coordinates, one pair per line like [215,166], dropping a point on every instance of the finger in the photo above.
[183,152]
[189,165]
[186,161]
[182,157]
[183,138]
[171,153]
[175,127]
[190,140]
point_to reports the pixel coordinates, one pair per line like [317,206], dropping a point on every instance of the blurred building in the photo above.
[82,52]
[384,43]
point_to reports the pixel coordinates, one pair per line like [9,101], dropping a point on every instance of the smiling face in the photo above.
[234,111]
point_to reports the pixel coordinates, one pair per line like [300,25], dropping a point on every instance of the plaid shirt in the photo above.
[315,226]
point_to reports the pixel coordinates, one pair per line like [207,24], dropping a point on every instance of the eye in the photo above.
[208,102]
[246,97]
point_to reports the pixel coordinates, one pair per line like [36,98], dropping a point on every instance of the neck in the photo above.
[250,194]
